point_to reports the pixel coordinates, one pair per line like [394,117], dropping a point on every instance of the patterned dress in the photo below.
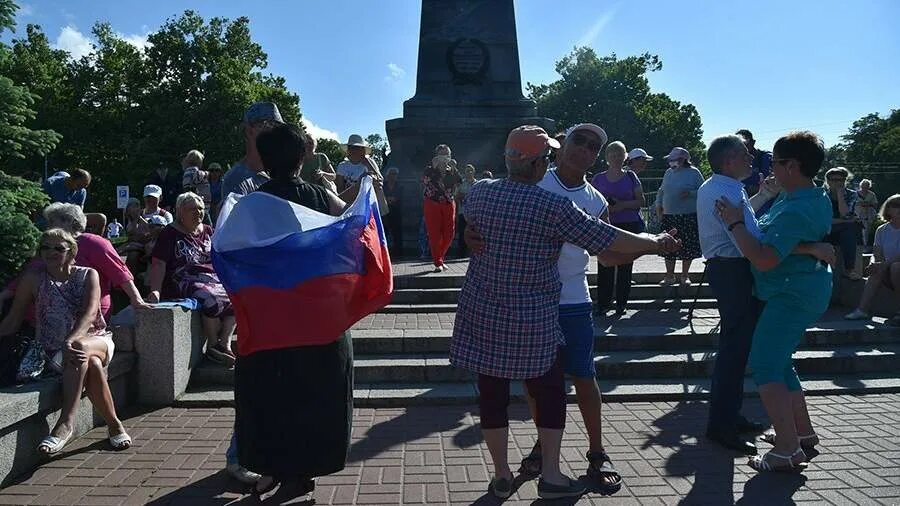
[507,324]
[189,270]
[58,308]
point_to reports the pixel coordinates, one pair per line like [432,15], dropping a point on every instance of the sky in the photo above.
[767,65]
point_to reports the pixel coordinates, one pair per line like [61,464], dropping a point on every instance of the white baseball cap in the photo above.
[638,153]
[678,154]
[151,190]
[590,127]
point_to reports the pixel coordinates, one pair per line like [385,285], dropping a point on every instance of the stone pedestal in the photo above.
[169,344]
[468,94]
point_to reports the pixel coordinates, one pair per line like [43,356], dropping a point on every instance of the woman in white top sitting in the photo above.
[885,270]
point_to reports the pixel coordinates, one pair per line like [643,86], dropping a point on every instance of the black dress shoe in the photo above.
[744,425]
[733,442]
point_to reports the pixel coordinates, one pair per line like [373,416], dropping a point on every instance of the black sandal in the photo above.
[600,467]
[258,492]
[532,464]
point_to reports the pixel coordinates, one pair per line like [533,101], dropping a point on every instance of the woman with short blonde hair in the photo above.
[71,332]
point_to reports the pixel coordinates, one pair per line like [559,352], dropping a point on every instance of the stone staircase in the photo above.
[650,353]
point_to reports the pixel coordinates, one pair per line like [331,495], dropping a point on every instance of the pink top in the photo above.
[98,253]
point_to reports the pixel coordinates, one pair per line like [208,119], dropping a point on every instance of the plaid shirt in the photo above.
[507,323]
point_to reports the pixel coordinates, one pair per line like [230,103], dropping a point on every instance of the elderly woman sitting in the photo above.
[72,333]
[94,252]
[181,268]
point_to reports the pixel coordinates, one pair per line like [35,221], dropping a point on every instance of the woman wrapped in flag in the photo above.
[301,267]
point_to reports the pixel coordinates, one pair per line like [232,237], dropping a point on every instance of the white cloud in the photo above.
[317,131]
[396,72]
[137,40]
[73,41]
[597,28]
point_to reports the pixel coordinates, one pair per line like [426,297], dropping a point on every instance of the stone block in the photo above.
[169,343]
[28,412]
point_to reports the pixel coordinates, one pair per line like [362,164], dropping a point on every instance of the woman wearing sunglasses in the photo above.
[795,288]
[72,334]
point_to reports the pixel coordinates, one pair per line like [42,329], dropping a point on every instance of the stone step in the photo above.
[631,365]
[386,395]
[454,279]
[633,304]
[408,296]
[614,338]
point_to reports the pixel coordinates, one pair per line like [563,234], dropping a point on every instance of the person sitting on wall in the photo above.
[845,226]
[72,334]
[885,270]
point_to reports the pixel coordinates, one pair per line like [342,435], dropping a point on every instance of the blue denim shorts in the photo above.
[577,324]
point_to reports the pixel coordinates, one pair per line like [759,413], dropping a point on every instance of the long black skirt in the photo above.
[294,409]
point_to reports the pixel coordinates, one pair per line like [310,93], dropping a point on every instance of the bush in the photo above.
[20,200]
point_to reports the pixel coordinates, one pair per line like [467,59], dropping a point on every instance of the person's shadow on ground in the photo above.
[681,429]
[771,488]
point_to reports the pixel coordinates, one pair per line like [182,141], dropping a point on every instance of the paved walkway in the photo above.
[435,455]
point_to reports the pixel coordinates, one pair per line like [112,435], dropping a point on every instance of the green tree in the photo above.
[379,146]
[332,148]
[873,139]
[124,110]
[18,138]
[19,201]
[615,94]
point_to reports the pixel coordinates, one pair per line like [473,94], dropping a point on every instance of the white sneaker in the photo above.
[242,474]
[666,281]
[857,314]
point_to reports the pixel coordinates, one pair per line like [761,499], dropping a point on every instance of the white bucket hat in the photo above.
[638,153]
[357,140]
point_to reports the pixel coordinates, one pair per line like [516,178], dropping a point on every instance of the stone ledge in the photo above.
[22,401]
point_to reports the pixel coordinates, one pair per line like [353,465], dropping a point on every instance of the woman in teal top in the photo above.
[795,288]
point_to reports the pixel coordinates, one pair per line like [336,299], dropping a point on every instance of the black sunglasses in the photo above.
[580,140]
[58,249]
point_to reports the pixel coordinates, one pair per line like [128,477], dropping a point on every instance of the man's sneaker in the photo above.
[551,491]
[242,474]
[220,355]
[668,281]
[857,314]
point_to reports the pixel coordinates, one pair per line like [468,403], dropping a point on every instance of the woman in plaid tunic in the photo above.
[507,323]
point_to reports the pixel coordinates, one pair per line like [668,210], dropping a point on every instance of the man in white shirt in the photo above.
[731,280]
[351,170]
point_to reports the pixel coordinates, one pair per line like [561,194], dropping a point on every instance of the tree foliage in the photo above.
[873,139]
[332,148]
[615,94]
[20,200]
[124,110]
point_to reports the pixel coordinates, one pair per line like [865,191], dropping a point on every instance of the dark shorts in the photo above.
[577,324]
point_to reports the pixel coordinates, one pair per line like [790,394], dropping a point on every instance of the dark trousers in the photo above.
[394,227]
[732,284]
[548,392]
[846,236]
[616,279]
[460,235]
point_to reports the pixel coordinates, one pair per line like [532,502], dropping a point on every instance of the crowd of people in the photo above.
[763,225]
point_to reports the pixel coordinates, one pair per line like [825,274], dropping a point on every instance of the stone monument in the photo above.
[468,93]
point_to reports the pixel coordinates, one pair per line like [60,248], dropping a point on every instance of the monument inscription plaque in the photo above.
[469,60]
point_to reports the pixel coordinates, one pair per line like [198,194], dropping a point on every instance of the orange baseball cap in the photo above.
[528,141]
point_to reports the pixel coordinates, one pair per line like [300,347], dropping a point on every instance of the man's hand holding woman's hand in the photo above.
[667,242]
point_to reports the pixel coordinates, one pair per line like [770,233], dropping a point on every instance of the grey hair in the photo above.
[68,217]
[720,148]
[391,170]
[519,167]
[186,197]
[866,182]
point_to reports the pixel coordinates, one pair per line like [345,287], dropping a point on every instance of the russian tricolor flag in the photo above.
[297,277]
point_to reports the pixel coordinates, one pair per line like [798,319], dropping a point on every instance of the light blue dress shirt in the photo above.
[715,239]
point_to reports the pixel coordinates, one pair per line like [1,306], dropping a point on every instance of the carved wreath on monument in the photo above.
[468,60]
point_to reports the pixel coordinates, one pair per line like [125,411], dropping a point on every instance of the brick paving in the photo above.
[435,455]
